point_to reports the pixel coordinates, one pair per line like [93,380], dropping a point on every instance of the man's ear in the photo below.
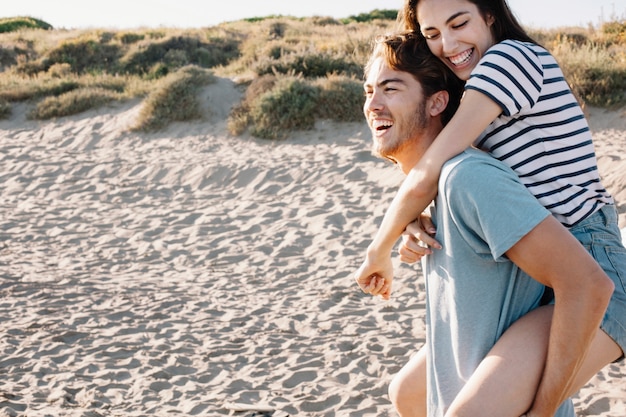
[438,102]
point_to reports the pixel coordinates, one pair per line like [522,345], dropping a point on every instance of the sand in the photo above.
[190,272]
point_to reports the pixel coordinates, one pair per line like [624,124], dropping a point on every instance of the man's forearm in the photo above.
[575,322]
[551,254]
[417,191]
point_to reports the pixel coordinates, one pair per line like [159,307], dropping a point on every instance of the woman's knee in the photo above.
[403,388]
[408,397]
[407,390]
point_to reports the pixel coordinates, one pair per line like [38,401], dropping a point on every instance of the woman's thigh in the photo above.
[506,381]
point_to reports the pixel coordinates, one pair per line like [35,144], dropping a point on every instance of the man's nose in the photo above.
[374,102]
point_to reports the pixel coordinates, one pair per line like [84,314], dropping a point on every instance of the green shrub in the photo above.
[85,55]
[32,68]
[174,99]
[386,14]
[175,52]
[615,31]
[37,89]
[325,21]
[310,65]
[257,19]
[290,105]
[73,102]
[277,30]
[614,27]
[5,109]
[8,57]
[128,38]
[12,24]
[341,99]
[240,117]
[60,70]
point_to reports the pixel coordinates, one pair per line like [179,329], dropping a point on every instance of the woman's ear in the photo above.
[438,102]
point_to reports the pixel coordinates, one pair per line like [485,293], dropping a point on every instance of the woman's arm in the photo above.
[475,113]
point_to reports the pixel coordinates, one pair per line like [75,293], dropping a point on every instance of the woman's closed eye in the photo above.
[460,25]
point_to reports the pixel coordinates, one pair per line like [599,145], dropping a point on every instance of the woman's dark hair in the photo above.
[504,27]
[407,51]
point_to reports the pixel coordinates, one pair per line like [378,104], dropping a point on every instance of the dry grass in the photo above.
[310,65]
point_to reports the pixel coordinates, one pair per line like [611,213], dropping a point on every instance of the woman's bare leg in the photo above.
[505,383]
[407,390]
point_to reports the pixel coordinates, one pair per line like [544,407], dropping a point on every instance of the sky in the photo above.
[128,14]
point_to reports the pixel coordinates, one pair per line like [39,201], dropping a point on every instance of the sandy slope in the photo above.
[182,272]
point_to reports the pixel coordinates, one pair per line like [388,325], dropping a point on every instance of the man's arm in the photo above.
[420,186]
[553,256]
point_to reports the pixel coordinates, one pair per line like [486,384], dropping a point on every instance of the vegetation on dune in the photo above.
[11,24]
[294,70]
[174,99]
[71,102]
[5,108]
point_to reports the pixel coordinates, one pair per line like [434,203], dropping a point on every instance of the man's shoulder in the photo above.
[474,170]
[472,160]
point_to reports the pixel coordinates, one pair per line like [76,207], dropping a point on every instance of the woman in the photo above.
[529,119]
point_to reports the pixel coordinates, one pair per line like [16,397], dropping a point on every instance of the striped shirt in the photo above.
[542,133]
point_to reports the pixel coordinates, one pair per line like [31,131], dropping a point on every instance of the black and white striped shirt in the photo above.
[542,132]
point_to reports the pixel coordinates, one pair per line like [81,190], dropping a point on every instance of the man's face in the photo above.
[395,111]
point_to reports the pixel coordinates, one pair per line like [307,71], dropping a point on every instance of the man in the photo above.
[491,228]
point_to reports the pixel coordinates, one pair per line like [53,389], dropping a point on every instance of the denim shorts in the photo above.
[601,236]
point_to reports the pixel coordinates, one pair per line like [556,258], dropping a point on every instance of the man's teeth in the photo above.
[382,124]
[461,58]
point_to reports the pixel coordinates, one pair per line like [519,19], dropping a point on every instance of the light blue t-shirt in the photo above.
[473,292]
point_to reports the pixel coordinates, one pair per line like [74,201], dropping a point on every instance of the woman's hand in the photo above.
[375,275]
[417,240]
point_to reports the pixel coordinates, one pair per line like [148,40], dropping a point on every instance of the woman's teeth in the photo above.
[461,58]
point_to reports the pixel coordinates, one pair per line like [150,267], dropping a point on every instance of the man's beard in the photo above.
[409,130]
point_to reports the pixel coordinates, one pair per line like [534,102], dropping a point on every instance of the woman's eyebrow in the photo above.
[450,19]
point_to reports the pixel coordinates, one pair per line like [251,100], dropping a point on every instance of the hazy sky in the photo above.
[117,14]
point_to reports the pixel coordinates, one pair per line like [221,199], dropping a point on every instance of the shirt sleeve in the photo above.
[511,74]
[492,209]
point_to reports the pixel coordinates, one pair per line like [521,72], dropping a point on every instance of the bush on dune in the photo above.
[341,99]
[289,106]
[174,99]
[72,102]
[5,109]
[161,57]
[275,105]
[310,65]
[85,55]
[12,24]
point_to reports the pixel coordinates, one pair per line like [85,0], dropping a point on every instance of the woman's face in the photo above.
[456,32]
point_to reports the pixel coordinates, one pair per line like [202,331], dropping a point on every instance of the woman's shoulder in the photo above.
[512,52]
[513,46]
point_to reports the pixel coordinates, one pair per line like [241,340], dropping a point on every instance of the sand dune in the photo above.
[190,272]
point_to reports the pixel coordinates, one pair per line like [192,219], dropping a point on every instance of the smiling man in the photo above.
[491,229]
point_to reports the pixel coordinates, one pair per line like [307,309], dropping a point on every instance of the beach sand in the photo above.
[190,272]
